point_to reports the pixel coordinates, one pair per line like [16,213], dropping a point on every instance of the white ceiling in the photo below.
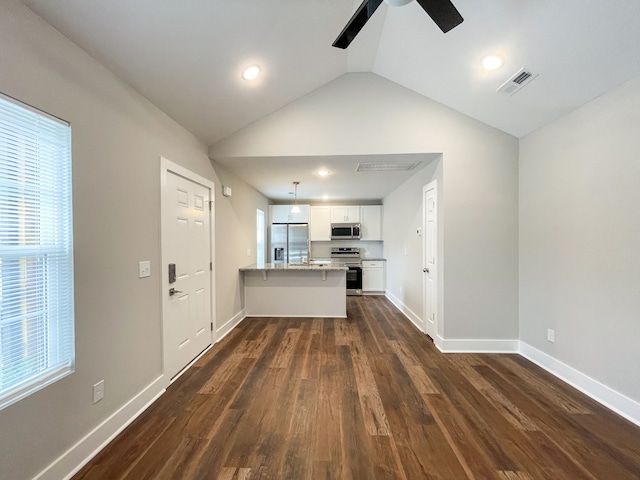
[274,176]
[186,56]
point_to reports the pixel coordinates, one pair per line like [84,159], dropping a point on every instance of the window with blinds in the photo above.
[36,251]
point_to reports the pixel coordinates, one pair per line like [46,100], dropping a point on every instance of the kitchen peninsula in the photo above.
[295,290]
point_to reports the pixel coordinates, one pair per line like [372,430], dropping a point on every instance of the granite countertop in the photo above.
[293,267]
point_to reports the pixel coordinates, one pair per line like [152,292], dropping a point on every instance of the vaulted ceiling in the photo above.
[186,56]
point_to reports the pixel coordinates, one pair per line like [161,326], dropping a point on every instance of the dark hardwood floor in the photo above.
[367,397]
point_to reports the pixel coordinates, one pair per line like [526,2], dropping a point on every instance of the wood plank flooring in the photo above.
[367,397]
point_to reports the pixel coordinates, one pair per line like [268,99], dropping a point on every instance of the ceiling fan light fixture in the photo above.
[397,3]
[491,62]
[251,73]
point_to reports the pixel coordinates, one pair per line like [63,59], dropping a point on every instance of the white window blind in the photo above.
[36,251]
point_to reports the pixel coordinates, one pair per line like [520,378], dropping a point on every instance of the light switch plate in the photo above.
[144,269]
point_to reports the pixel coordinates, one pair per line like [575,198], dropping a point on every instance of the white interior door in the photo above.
[186,239]
[430,255]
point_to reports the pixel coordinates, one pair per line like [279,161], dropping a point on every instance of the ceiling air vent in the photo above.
[521,78]
[386,166]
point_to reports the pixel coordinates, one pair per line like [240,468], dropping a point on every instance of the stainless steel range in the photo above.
[350,256]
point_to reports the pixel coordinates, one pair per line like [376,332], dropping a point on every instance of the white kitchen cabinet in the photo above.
[347,214]
[371,222]
[282,214]
[373,276]
[320,224]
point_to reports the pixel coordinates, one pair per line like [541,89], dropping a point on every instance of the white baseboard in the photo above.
[480,345]
[230,324]
[613,400]
[411,315]
[70,462]
[456,346]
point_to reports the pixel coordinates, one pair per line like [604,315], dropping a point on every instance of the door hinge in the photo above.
[212,326]
[211,266]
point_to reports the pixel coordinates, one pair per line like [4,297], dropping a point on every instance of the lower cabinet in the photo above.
[373,276]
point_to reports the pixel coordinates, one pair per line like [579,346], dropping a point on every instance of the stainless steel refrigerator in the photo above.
[289,243]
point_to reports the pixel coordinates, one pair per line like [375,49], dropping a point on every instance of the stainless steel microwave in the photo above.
[345,231]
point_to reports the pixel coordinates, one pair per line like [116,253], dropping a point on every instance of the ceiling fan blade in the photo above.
[357,21]
[443,13]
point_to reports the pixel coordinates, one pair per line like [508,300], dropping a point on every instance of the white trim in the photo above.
[70,462]
[166,167]
[481,345]
[406,311]
[613,400]
[432,185]
[230,324]
[438,341]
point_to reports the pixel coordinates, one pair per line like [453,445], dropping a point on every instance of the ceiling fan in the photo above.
[442,12]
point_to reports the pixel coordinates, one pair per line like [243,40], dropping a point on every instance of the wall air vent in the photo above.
[518,80]
[386,166]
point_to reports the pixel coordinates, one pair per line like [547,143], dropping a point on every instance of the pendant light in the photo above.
[296,208]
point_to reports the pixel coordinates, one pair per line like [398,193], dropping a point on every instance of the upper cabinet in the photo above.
[347,214]
[371,222]
[320,224]
[282,214]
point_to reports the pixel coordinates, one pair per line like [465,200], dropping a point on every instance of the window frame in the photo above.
[36,250]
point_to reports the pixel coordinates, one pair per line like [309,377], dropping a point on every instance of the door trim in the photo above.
[167,167]
[433,185]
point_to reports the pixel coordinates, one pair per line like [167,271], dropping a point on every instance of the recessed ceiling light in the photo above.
[491,62]
[323,173]
[325,197]
[251,73]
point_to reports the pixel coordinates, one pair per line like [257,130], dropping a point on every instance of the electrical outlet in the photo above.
[98,391]
[405,252]
[144,269]
[551,335]
[248,252]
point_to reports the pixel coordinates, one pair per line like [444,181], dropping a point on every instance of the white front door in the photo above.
[186,245]
[430,254]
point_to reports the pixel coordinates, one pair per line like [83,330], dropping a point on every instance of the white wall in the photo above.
[403,214]
[365,114]
[580,239]
[235,237]
[118,138]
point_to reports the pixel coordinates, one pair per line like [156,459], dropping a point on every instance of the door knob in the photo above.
[425,270]
[173,291]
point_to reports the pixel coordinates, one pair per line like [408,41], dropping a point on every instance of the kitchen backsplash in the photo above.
[367,249]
